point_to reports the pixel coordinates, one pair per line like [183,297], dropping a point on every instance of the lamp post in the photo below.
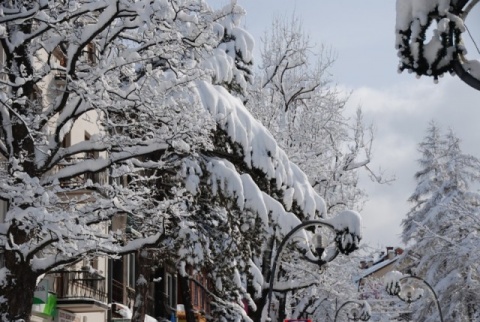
[346,226]
[408,293]
[360,312]
[460,64]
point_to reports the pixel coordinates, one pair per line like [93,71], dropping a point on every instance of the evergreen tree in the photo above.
[441,228]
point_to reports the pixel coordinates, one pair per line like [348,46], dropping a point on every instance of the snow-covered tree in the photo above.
[125,70]
[441,229]
[322,290]
[154,83]
[293,95]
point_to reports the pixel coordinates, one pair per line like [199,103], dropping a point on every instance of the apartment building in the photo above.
[200,300]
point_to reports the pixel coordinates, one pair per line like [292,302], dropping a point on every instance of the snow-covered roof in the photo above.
[375,268]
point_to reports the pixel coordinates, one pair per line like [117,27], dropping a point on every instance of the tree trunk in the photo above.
[186,297]
[281,307]
[18,289]
[143,272]
[261,303]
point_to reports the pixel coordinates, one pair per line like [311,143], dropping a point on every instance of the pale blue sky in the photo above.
[361,32]
[399,105]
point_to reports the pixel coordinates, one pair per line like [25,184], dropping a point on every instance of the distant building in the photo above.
[371,286]
[379,267]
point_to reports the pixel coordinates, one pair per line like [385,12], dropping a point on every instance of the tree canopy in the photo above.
[136,107]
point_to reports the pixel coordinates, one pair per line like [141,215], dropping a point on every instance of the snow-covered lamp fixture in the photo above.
[429,39]
[392,282]
[355,313]
[319,244]
[408,293]
[347,225]
[361,311]
[346,231]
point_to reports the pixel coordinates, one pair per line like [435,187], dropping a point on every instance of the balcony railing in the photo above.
[74,182]
[124,294]
[80,285]
[78,181]
[3,166]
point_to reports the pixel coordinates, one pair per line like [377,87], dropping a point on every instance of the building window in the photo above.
[91,263]
[2,258]
[195,295]
[88,154]
[131,270]
[60,56]
[170,290]
[91,53]
[67,140]
[3,209]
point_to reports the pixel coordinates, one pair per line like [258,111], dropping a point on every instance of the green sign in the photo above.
[44,302]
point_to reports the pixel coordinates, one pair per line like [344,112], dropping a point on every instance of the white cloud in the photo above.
[400,114]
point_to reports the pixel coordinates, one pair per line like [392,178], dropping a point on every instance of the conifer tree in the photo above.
[441,228]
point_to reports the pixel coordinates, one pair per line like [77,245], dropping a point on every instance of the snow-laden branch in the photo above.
[260,151]
[96,165]
[20,14]
[225,180]
[433,56]
[46,263]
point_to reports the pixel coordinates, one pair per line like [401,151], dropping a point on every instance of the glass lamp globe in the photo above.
[408,291]
[355,313]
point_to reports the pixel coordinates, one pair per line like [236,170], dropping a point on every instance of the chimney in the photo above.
[363,264]
[390,254]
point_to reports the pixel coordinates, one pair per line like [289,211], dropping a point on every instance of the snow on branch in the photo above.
[434,56]
[349,223]
[260,150]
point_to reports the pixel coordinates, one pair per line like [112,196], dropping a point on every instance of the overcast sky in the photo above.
[400,106]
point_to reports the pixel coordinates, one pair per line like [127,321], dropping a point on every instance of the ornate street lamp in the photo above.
[346,227]
[360,311]
[408,293]
[444,51]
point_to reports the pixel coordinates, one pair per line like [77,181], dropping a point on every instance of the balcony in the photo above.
[125,295]
[3,166]
[81,291]
[122,293]
[80,180]
[74,182]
